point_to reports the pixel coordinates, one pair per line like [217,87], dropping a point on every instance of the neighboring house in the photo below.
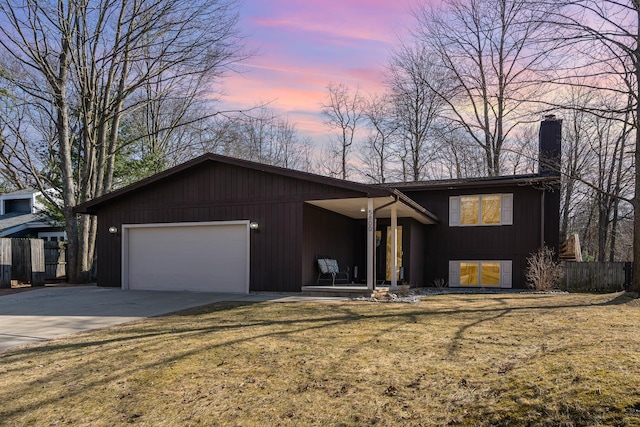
[21,216]
[222,224]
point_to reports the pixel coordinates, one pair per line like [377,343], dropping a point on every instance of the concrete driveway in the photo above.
[46,313]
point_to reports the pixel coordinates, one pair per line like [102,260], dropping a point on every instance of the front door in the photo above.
[398,255]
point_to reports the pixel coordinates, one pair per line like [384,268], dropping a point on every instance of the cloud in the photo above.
[338,33]
[305,45]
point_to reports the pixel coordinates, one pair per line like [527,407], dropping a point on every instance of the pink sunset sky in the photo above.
[303,45]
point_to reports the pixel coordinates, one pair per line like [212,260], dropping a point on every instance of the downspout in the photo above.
[375,225]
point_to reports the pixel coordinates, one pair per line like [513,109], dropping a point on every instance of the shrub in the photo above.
[543,272]
[439,283]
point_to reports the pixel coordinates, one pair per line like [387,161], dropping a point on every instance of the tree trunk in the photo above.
[635,285]
[603,226]
[614,230]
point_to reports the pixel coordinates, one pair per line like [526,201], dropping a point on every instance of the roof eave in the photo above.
[416,206]
[437,185]
[90,207]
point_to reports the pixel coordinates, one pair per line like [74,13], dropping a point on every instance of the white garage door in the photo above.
[202,257]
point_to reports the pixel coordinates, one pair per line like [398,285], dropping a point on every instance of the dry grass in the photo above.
[570,360]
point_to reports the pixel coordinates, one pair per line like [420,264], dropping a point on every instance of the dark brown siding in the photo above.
[414,274]
[511,242]
[326,234]
[552,218]
[222,192]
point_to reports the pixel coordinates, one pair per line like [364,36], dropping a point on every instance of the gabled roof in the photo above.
[16,221]
[366,189]
[23,192]
[492,181]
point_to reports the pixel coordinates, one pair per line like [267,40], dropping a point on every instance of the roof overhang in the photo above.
[21,227]
[356,208]
[92,206]
[533,180]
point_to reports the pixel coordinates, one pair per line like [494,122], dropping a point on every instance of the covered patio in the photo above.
[365,213]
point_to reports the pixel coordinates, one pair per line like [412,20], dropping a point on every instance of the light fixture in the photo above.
[113,229]
[363,210]
[253,225]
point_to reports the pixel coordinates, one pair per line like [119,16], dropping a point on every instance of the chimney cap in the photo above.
[550,117]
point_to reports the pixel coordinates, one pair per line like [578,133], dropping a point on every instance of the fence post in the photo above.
[5,263]
[37,262]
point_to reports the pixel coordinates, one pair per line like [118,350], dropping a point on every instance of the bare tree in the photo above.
[83,66]
[576,157]
[382,136]
[488,49]
[596,170]
[262,136]
[602,36]
[521,155]
[163,127]
[343,112]
[458,156]
[416,85]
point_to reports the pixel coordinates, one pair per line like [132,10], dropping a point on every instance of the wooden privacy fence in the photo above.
[596,276]
[55,260]
[27,256]
[31,261]
[5,263]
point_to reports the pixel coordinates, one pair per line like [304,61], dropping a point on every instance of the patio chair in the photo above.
[329,270]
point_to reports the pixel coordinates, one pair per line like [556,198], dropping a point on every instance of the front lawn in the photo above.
[508,359]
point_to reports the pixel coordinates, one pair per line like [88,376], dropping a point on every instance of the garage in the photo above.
[198,257]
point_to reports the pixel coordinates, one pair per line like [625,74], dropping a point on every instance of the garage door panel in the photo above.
[209,258]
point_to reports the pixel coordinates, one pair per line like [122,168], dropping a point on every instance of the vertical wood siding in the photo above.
[220,192]
[327,234]
[415,273]
[510,242]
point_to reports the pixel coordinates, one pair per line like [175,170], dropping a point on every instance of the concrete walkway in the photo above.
[46,313]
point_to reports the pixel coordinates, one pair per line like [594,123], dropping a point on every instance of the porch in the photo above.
[346,290]
[362,234]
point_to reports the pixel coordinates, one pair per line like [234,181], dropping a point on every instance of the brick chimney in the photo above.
[550,149]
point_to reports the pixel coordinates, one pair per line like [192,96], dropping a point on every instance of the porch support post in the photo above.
[371,245]
[394,246]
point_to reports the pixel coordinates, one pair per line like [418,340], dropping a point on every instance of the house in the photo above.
[21,215]
[222,224]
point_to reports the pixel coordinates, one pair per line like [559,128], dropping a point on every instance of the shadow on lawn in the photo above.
[134,333]
[135,337]
[622,298]
[347,316]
